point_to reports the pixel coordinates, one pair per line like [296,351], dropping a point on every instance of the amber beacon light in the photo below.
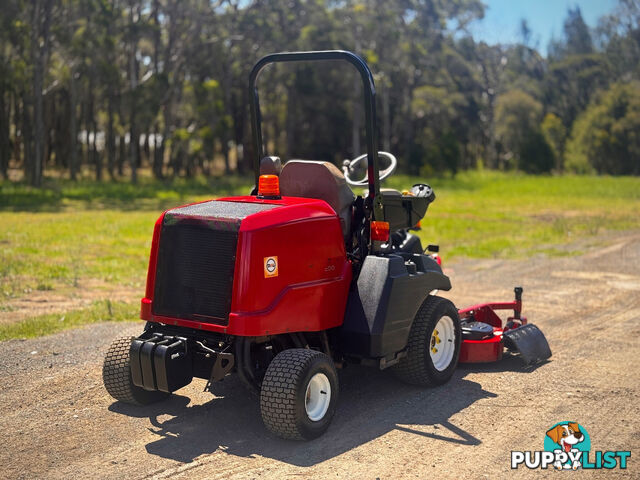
[268,186]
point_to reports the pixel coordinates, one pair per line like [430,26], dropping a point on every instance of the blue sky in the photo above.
[502,18]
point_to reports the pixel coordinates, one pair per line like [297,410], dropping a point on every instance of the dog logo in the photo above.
[567,437]
[567,446]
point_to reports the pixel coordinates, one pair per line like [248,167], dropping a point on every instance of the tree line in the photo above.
[109,87]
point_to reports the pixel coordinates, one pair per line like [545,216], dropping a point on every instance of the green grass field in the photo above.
[99,311]
[66,235]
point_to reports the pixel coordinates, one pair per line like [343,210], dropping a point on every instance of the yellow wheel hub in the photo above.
[435,340]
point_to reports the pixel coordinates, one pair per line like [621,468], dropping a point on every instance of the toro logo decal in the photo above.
[270,267]
[567,446]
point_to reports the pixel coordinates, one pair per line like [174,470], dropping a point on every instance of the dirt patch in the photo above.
[57,421]
[63,300]
[550,215]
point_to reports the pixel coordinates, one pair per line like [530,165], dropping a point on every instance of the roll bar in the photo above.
[369,103]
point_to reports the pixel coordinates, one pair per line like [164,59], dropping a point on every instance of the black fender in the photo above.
[384,300]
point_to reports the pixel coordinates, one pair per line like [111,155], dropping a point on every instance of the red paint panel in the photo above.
[145,310]
[313,306]
[310,291]
[481,351]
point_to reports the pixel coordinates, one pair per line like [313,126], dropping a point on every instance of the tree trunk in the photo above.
[35,163]
[17,121]
[226,136]
[84,129]
[157,32]
[41,20]
[292,120]
[386,117]
[242,134]
[111,139]
[73,126]
[133,150]
[248,154]
[27,150]
[96,158]
[92,132]
[49,135]
[356,125]
[122,154]
[5,145]
[60,144]
[158,154]
[166,132]
[138,151]
[146,147]
[133,83]
[158,145]
[113,84]
[408,130]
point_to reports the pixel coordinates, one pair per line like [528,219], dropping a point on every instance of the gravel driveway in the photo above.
[57,421]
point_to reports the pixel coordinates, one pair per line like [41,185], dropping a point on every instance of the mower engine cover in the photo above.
[238,266]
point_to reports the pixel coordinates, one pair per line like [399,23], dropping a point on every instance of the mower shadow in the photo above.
[371,404]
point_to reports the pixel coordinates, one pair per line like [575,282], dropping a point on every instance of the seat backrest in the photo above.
[322,180]
[270,166]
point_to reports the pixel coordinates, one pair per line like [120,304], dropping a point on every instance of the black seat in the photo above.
[322,180]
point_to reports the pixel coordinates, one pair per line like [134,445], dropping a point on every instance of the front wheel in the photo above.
[299,394]
[116,376]
[433,347]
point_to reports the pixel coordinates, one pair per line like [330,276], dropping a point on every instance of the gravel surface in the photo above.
[57,421]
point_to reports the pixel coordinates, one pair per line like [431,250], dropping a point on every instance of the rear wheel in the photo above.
[433,347]
[299,394]
[116,376]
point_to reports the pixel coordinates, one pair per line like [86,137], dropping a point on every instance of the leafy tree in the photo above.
[577,35]
[619,36]
[517,114]
[119,85]
[571,82]
[606,136]
[436,111]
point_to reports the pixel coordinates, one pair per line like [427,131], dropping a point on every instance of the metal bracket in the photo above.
[384,363]
[223,365]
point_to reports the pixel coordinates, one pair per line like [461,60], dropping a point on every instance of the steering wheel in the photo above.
[348,166]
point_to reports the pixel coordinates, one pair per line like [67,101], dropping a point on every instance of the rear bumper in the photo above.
[161,360]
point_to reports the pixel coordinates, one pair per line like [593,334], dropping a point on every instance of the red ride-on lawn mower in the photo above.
[300,277]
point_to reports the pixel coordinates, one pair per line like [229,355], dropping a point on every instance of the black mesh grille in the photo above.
[196,259]
[194,275]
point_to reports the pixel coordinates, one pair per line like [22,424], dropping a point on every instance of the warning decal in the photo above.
[270,267]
